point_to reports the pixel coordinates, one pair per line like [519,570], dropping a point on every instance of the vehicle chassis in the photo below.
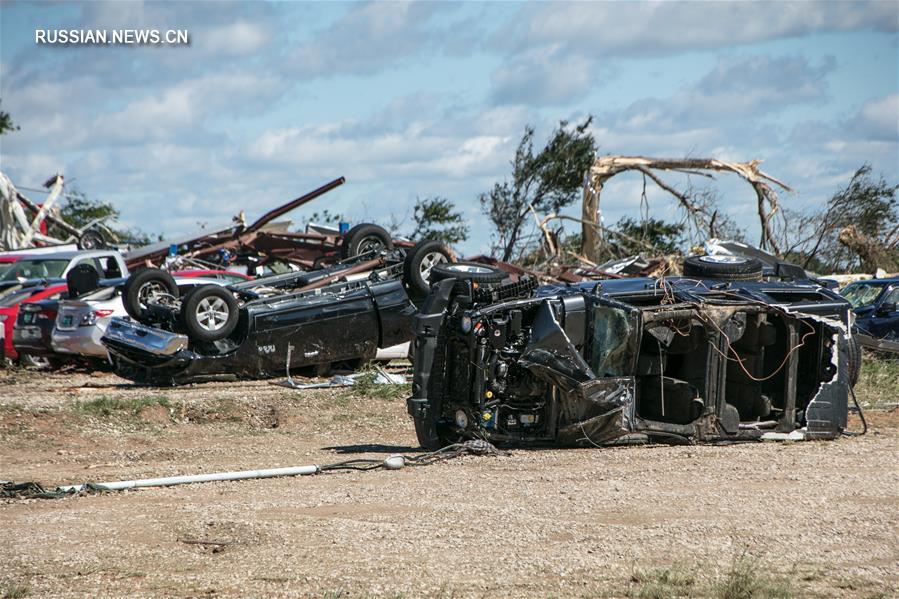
[524,370]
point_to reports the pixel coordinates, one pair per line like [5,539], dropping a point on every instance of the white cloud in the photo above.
[234,39]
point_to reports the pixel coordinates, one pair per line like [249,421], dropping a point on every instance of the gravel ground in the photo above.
[812,519]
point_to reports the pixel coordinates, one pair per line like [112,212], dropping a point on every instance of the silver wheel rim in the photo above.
[427,263]
[212,313]
[470,268]
[723,259]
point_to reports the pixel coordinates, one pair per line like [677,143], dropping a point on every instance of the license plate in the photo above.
[67,320]
[28,318]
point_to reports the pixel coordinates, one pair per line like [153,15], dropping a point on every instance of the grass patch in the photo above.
[878,382]
[746,578]
[14,590]
[367,387]
[107,406]
[662,583]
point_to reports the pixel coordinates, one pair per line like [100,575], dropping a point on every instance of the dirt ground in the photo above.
[782,519]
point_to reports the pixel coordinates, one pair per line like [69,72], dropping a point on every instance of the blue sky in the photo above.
[424,99]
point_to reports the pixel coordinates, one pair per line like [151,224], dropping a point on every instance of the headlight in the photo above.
[465,324]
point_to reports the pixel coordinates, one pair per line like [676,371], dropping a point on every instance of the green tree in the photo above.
[547,180]
[869,207]
[436,218]
[78,210]
[6,123]
[655,236]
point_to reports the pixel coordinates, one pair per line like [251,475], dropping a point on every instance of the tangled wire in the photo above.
[478,447]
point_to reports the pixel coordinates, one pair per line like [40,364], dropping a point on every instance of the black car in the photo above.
[721,354]
[265,327]
[875,305]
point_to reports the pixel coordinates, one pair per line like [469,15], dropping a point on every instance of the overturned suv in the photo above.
[723,353]
[262,328]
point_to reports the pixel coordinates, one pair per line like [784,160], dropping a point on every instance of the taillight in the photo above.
[48,314]
[90,319]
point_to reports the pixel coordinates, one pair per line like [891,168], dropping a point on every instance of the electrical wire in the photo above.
[861,415]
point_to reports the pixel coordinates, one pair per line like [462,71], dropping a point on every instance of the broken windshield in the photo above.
[862,294]
[611,353]
[34,269]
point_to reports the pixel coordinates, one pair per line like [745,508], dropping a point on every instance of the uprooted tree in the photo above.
[543,181]
[857,228]
[699,209]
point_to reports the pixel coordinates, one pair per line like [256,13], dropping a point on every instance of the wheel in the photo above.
[82,279]
[854,365]
[419,262]
[725,268]
[365,238]
[467,271]
[209,313]
[143,285]
[38,362]
[91,240]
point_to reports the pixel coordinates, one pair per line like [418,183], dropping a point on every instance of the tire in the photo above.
[725,268]
[854,365]
[141,285]
[209,313]
[91,239]
[467,271]
[38,362]
[419,262]
[365,238]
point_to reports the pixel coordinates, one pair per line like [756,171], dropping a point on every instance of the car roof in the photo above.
[889,281]
[65,255]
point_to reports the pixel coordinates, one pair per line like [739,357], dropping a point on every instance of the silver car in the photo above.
[81,323]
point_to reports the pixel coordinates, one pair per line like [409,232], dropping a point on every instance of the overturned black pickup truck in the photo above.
[722,354]
[262,328]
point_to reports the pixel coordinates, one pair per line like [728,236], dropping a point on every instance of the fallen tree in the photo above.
[703,215]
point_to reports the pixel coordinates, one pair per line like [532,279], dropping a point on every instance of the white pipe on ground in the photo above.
[194,478]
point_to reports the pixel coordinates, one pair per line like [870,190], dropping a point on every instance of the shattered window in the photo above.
[35,269]
[861,294]
[611,351]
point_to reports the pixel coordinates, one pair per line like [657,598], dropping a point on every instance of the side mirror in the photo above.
[886,308]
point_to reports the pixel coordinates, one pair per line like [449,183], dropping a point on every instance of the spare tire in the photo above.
[725,268]
[209,313]
[82,279]
[419,261]
[365,238]
[467,271]
[142,285]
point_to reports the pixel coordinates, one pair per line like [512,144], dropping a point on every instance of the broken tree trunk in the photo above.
[703,217]
[872,253]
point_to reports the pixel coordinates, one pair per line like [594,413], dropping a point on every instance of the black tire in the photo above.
[209,313]
[365,238]
[141,284]
[725,268]
[82,279]
[91,239]
[854,365]
[419,261]
[467,271]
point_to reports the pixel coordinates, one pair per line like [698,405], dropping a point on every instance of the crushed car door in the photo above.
[321,329]
[593,407]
